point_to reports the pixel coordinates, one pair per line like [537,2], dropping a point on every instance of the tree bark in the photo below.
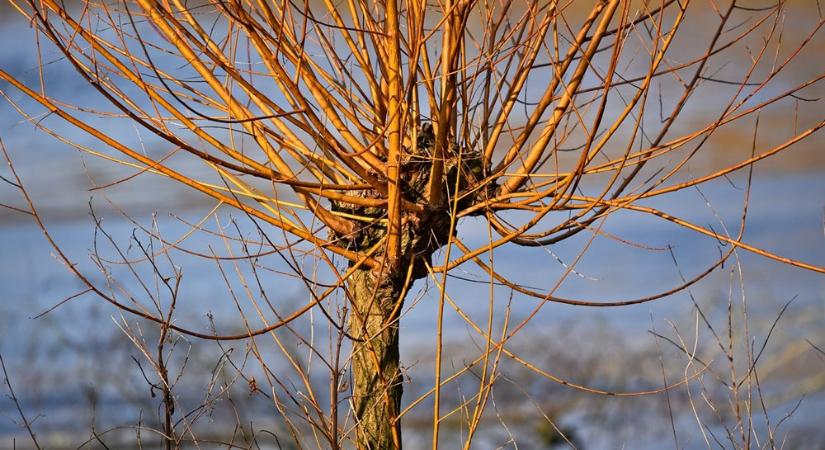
[376,295]
[376,374]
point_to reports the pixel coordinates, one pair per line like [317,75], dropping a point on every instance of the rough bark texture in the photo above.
[376,374]
[376,295]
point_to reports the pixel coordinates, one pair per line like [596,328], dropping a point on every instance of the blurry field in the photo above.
[74,371]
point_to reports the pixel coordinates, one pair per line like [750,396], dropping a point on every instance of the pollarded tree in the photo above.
[369,129]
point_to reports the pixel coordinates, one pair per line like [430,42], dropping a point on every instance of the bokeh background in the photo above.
[80,381]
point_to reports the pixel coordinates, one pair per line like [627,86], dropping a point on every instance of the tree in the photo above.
[376,128]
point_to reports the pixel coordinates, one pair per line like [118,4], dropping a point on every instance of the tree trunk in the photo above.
[376,296]
[376,375]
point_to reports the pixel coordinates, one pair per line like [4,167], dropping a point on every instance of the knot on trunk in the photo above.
[423,234]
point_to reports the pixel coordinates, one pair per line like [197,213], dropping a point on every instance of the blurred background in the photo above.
[82,382]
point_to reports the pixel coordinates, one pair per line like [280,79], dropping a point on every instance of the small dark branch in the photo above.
[10,182]
[13,397]
[819,350]
[62,302]
[16,209]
